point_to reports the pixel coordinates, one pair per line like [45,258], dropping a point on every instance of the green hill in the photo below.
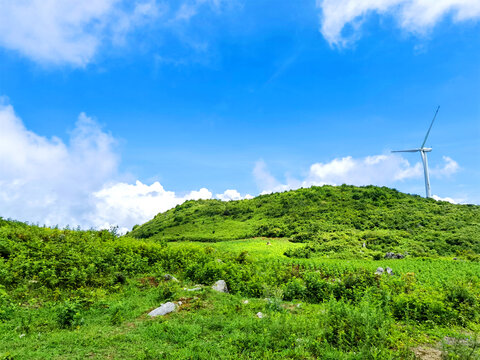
[335,218]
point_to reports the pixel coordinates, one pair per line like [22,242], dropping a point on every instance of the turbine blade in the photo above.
[430,128]
[413,150]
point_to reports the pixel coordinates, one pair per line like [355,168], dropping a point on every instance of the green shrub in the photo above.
[364,326]
[421,306]
[6,305]
[294,289]
[167,291]
[317,289]
[69,314]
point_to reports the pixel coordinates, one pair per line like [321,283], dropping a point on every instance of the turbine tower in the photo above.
[423,152]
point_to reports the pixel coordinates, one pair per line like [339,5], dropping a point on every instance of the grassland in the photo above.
[68,294]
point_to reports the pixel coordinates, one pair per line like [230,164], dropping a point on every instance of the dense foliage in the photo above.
[336,219]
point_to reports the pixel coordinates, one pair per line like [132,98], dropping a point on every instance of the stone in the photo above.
[379,271]
[245,301]
[392,255]
[195,289]
[259,315]
[220,286]
[164,309]
[168,277]
[389,271]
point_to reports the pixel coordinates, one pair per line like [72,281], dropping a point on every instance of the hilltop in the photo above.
[336,218]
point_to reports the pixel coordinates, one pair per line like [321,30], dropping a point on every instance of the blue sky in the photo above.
[114,111]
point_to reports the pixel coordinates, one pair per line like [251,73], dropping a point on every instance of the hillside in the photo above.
[336,218]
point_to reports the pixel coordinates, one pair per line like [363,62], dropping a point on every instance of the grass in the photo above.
[261,247]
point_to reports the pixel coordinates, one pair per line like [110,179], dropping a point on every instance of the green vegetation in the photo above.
[332,219]
[71,294]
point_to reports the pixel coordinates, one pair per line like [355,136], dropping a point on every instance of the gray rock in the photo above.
[379,271]
[391,255]
[168,277]
[164,309]
[195,289]
[259,315]
[245,301]
[221,286]
[389,271]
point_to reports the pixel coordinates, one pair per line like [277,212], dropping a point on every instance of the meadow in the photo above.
[74,294]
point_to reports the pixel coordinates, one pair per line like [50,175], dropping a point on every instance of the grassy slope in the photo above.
[382,218]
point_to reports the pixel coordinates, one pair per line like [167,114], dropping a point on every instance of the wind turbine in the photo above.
[423,152]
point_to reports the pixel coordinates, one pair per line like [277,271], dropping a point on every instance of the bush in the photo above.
[317,289]
[6,305]
[294,289]
[346,326]
[69,315]
[301,237]
[167,291]
[421,306]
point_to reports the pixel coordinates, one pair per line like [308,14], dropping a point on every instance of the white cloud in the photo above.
[190,8]
[68,31]
[232,194]
[72,32]
[382,170]
[266,181]
[47,181]
[414,16]
[451,167]
[449,199]
[51,182]
[129,204]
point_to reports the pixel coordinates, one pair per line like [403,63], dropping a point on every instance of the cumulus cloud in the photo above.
[130,204]
[49,181]
[68,31]
[413,16]
[45,180]
[382,170]
[232,194]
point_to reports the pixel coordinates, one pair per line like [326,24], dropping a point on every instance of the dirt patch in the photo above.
[427,353]
[149,281]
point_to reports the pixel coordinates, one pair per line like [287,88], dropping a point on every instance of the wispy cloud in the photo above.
[414,16]
[68,31]
[71,32]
